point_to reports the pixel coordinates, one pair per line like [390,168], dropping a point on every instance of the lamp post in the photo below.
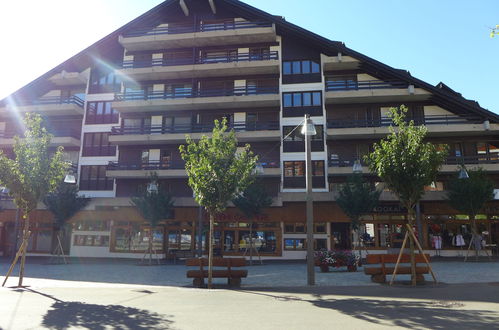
[308,130]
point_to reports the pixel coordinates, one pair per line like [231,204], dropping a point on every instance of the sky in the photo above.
[444,40]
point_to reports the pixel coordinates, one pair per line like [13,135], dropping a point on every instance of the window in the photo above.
[97,144]
[300,67]
[294,174]
[91,240]
[299,228]
[135,238]
[103,81]
[101,113]
[294,141]
[93,177]
[299,103]
[294,244]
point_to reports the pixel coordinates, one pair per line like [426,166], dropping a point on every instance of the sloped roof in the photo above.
[442,94]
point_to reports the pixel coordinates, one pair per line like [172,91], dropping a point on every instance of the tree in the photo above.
[217,172]
[357,198]
[251,203]
[154,204]
[468,196]
[30,176]
[406,164]
[64,202]
[494,31]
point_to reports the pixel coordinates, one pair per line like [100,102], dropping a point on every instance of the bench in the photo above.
[378,273]
[233,276]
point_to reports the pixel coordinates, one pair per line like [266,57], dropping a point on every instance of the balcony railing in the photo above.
[193,128]
[58,100]
[182,93]
[210,59]
[426,120]
[146,166]
[74,133]
[189,28]
[347,85]
[478,159]
[338,161]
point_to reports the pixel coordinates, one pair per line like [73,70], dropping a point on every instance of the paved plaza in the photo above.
[110,294]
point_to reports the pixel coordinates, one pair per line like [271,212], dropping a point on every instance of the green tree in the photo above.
[406,164]
[357,198]
[31,175]
[494,31]
[154,204]
[217,172]
[251,203]
[468,196]
[64,202]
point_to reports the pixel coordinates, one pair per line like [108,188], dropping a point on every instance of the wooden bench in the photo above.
[233,275]
[378,273]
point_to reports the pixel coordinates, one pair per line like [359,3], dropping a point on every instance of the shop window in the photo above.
[101,113]
[135,238]
[91,240]
[97,144]
[93,177]
[92,225]
[294,244]
[320,244]
[40,239]
[180,239]
[320,228]
[234,238]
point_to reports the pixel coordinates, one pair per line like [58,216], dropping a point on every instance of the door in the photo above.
[340,235]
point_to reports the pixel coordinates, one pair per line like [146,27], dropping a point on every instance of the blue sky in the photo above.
[444,40]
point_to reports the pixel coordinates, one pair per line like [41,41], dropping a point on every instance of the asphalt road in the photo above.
[58,304]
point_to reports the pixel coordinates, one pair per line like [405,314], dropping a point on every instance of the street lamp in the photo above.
[308,130]
[152,187]
[463,174]
[357,167]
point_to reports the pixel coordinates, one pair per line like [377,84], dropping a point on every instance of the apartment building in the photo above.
[122,107]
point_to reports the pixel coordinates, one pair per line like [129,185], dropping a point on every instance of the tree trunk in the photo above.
[150,246]
[251,243]
[210,251]
[26,234]
[410,220]
[474,235]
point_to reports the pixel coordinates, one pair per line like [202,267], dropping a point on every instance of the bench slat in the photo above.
[217,273]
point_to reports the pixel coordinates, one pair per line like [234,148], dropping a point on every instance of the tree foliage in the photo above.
[35,171]
[217,171]
[403,161]
[468,196]
[64,202]
[494,31]
[357,198]
[253,200]
[154,206]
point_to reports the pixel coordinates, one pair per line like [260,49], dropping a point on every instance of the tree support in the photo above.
[59,252]
[410,234]
[21,251]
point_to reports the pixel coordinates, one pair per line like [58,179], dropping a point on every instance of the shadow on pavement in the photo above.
[413,314]
[429,314]
[65,315]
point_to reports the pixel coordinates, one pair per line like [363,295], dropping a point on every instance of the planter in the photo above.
[352,268]
[324,268]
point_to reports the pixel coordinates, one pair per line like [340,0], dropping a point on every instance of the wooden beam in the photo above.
[184,7]
[213,7]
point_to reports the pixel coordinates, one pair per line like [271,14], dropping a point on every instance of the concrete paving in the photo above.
[121,295]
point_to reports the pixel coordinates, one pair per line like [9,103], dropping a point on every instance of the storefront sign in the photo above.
[389,209]
[224,217]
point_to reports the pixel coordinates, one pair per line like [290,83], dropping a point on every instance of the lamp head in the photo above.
[308,127]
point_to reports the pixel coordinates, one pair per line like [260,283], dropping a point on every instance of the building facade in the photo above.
[122,107]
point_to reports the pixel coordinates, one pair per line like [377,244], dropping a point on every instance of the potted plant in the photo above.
[324,259]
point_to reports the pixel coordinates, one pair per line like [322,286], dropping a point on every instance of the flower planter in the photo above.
[352,268]
[324,268]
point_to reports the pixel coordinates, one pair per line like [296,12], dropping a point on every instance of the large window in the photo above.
[341,82]
[134,237]
[298,104]
[101,113]
[104,81]
[294,141]
[294,174]
[40,239]
[93,177]
[300,67]
[97,144]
